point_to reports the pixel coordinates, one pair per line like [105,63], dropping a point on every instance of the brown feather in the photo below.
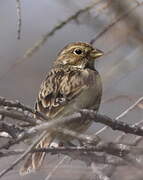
[61,86]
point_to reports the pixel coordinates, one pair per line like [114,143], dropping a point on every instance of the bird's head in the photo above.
[79,54]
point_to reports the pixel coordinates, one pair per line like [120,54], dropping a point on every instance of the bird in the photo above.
[72,84]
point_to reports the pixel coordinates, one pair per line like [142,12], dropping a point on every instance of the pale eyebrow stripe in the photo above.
[72,47]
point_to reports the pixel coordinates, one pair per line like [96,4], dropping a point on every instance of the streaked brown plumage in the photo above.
[72,84]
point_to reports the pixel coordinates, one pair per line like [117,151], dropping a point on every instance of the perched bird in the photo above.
[72,84]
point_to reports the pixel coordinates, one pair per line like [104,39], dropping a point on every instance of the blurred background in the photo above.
[111,25]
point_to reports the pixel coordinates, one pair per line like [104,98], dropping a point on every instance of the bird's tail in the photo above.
[34,160]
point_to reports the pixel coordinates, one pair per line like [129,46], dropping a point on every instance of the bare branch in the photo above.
[122,136]
[14,114]
[93,142]
[120,150]
[81,154]
[3,172]
[84,114]
[16,104]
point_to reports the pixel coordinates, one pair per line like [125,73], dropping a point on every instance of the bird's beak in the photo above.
[96,53]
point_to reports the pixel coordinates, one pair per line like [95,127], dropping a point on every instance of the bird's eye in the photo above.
[78,51]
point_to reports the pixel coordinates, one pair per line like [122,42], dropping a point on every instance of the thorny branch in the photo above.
[93,144]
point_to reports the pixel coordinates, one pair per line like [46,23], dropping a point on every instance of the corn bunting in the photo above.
[72,84]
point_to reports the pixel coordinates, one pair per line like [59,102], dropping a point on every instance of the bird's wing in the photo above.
[60,88]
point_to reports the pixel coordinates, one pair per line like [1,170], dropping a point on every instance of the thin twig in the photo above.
[137,140]
[125,14]
[11,153]
[19,19]
[121,115]
[55,168]
[44,38]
